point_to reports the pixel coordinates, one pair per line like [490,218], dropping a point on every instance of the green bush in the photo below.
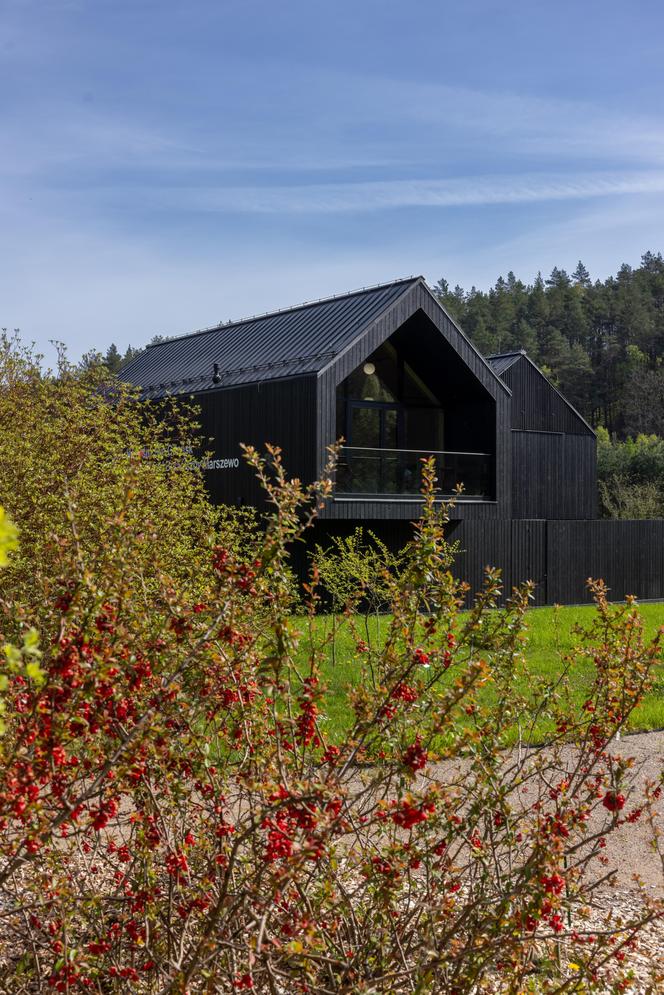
[630,476]
[78,447]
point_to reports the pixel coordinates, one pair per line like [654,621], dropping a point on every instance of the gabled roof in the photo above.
[501,362]
[292,342]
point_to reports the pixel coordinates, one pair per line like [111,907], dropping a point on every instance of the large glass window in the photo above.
[411,399]
[384,404]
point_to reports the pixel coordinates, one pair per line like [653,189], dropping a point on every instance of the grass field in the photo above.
[549,635]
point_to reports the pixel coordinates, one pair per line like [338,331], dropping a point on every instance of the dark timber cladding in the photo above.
[255,381]
[560,557]
[628,555]
[252,414]
[389,370]
[554,472]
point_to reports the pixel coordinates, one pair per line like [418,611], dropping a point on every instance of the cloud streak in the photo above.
[334,198]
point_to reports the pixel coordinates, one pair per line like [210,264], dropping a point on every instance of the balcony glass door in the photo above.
[374,428]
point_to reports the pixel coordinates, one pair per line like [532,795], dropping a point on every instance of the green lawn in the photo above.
[549,635]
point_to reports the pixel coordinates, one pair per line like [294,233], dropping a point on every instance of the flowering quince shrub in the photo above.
[174,818]
[66,454]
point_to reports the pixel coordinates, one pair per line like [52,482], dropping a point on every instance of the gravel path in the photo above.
[629,852]
[628,847]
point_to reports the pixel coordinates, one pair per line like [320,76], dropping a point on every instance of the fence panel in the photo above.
[628,555]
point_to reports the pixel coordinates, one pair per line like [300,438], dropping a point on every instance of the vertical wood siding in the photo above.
[554,457]
[553,475]
[561,555]
[537,405]
[282,412]
[628,555]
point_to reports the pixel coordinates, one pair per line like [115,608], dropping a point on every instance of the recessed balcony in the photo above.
[365,472]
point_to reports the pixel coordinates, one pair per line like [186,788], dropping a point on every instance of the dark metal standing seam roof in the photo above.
[501,363]
[285,343]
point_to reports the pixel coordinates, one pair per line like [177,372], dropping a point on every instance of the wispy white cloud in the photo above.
[510,122]
[90,289]
[330,198]
[360,122]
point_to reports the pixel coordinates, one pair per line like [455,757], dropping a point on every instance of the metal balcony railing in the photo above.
[399,471]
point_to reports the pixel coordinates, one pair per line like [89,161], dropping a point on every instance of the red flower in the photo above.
[220,558]
[404,692]
[553,884]
[102,816]
[415,756]
[613,801]
[330,755]
[243,981]
[176,865]
[409,815]
[59,756]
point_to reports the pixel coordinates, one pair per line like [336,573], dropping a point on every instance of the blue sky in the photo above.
[166,165]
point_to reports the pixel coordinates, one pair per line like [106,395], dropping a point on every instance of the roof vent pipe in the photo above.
[215,374]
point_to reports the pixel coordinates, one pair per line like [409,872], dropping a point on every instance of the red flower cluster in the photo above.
[102,815]
[553,884]
[408,815]
[613,801]
[306,720]
[415,756]
[176,865]
[220,558]
[243,982]
[404,692]
[234,637]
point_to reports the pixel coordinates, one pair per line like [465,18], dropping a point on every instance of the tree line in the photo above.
[601,343]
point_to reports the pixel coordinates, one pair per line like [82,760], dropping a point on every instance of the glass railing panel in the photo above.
[399,471]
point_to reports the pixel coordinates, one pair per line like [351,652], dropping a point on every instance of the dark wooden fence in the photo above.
[561,555]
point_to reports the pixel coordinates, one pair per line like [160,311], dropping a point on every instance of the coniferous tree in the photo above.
[582,334]
[112,358]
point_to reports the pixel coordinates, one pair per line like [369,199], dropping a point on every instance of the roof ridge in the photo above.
[284,310]
[512,352]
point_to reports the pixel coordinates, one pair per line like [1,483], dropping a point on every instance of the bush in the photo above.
[174,819]
[630,476]
[78,447]
[621,499]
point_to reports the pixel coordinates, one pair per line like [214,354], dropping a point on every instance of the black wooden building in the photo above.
[390,372]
